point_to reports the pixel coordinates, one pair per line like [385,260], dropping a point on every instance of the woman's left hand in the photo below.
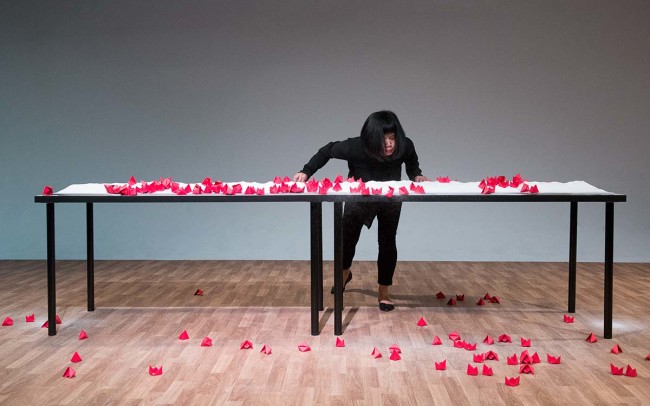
[422,179]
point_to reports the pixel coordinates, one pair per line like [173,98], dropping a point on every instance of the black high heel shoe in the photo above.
[349,278]
[386,307]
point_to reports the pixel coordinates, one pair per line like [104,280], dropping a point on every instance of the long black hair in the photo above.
[372,135]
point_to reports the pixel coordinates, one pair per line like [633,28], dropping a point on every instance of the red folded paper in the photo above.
[266,350]
[591,338]
[8,322]
[504,338]
[30,318]
[83,335]
[47,190]
[339,342]
[422,322]
[443,179]
[451,302]
[512,360]
[616,370]
[512,381]
[630,372]
[403,191]
[198,292]
[390,192]
[494,299]
[534,189]
[184,335]
[207,342]
[75,357]
[132,181]
[250,190]
[441,366]
[553,360]
[338,179]
[472,371]
[524,342]
[525,358]
[480,302]
[535,359]
[647,358]
[526,369]
[394,348]
[303,347]
[376,191]
[296,189]
[616,349]
[337,187]
[394,356]
[491,356]
[459,344]
[460,297]
[246,345]
[568,319]
[153,371]
[69,373]
[454,336]
[437,341]
[487,371]
[469,347]
[478,357]
[516,181]
[277,179]
[375,353]
[440,295]
[312,186]
[488,340]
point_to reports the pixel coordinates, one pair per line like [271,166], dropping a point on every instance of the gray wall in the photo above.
[96,91]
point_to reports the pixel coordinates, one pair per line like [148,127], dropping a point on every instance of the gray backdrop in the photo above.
[94,91]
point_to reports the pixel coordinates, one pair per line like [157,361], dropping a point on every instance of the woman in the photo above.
[377,154]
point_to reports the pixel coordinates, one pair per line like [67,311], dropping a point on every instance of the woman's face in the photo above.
[389,144]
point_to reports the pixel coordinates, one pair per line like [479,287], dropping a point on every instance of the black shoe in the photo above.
[386,307]
[344,283]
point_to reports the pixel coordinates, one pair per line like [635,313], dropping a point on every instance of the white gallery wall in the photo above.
[98,91]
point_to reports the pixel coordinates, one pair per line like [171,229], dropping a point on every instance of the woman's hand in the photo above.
[422,179]
[300,177]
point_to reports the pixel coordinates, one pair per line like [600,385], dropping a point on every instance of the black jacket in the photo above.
[363,166]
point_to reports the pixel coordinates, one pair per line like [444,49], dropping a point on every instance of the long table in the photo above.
[316,241]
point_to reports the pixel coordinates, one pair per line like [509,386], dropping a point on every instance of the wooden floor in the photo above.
[143,306]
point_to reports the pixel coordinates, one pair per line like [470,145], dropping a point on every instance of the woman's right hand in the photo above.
[300,177]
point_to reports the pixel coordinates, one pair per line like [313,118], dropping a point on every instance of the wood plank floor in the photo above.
[143,306]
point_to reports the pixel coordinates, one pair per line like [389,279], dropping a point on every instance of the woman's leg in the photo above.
[388,219]
[353,219]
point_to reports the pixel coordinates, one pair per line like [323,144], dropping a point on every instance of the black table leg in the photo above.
[609,268]
[338,268]
[90,257]
[319,260]
[51,280]
[313,227]
[573,239]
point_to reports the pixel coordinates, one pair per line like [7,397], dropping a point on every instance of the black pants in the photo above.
[355,215]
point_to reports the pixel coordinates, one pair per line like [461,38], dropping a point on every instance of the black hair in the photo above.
[372,135]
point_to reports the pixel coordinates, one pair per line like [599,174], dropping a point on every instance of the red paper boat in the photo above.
[616,349]
[488,340]
[591,338]
[441,366]
[303,347]
[153,371]
[436,341]
[184,335]
[630,372]
[454,336]
[526,369]
[491,356]
[472,371]
[339,342]
[568,319]
[376,353]
[69,373]
[487,371]
[83,335]
[553,360]
[394,356]
[266,350]
[8,322]
[422,322]
[30,318]
[207,342]
[75,357]
[616,370]
[246,345]
[512,381]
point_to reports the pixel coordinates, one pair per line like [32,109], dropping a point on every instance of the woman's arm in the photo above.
[336,149]
[412,164]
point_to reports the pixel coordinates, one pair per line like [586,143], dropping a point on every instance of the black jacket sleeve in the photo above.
[336,149]
[411,161]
